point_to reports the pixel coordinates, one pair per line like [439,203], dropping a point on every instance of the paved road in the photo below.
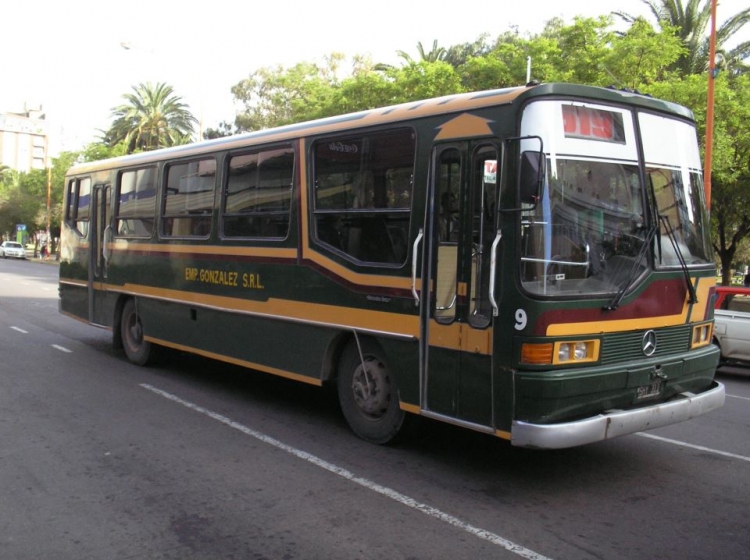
[198,460]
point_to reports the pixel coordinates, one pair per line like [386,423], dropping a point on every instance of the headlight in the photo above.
[576,351]
[702,335]
[560,353]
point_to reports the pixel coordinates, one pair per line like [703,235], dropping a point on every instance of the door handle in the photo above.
[414,255]
[106,240]
[493,268]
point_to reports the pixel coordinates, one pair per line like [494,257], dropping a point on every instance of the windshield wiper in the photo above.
[615,303]
[681,259]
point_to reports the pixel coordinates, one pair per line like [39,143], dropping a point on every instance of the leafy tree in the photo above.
[424,79]
[365,90]
[96,151]
[503,66]
[275,96]
[586,51]
[692,21]
[24,201]
[223,129]
[642,55]
[152,117]
[458,55]
[584,45]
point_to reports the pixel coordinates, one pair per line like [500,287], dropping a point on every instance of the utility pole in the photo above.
[712,73]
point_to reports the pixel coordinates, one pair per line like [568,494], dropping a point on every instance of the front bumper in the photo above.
[682,406]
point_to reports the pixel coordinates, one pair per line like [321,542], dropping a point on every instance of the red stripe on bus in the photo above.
[661,298]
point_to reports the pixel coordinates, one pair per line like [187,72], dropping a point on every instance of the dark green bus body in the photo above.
[349,266]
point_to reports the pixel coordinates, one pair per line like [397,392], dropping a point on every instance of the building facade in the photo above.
[24,140]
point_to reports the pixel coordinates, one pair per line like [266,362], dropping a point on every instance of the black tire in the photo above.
[139,351]
[369,396]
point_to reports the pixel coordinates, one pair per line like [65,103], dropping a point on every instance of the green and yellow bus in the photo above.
[531,262]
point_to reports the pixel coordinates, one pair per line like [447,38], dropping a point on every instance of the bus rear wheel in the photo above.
[138,350]
[368,394]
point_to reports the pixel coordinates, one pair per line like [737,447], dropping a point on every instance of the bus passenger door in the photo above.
[457,313]
[101,236]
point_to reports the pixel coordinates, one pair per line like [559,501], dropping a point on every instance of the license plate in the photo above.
[650,390]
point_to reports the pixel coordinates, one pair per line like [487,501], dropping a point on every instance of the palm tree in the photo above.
[153,117]
[10,179]
[692,21]
[4,174]
[437,53]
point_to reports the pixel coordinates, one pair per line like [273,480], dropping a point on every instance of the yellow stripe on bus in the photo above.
[264,252]
[235,361]
[461,336]
[333,315]
[703,287]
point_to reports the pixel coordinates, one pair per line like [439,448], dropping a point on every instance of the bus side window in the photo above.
[189,198]
[79,205]
[257,197]
[363,188]
[135,198]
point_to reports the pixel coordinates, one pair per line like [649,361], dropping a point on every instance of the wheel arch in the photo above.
[336,348]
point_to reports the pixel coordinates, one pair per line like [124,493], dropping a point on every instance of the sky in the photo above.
[77,58]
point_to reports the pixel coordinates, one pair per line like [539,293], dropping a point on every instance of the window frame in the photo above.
[225,216]
[360,217]
[202,217]
[117,217]
[73,211]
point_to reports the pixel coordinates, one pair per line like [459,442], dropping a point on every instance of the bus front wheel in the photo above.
[138,350]
[368,394]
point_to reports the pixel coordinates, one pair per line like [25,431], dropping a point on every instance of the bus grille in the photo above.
[628,346]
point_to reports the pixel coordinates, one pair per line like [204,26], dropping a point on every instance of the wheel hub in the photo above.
[370,388]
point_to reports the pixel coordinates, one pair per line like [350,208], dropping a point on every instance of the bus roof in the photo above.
[392,114]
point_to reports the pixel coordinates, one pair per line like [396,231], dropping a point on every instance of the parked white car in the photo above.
[12,249]
[732,323]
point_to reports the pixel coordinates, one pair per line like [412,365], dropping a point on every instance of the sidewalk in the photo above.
[50,260]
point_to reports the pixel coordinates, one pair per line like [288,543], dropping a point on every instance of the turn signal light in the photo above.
[536,354]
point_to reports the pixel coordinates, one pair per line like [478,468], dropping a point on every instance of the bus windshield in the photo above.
[590,231]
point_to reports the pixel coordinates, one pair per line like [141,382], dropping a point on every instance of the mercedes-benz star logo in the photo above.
[648,344]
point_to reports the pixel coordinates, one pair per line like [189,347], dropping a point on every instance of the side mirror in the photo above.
[530,169]
[530,180]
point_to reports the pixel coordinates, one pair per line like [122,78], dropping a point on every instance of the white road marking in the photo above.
[737,397]
[20,330]
[62,349]
[691,446]
[382,490]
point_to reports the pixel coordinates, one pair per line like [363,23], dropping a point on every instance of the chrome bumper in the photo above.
[617,422]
